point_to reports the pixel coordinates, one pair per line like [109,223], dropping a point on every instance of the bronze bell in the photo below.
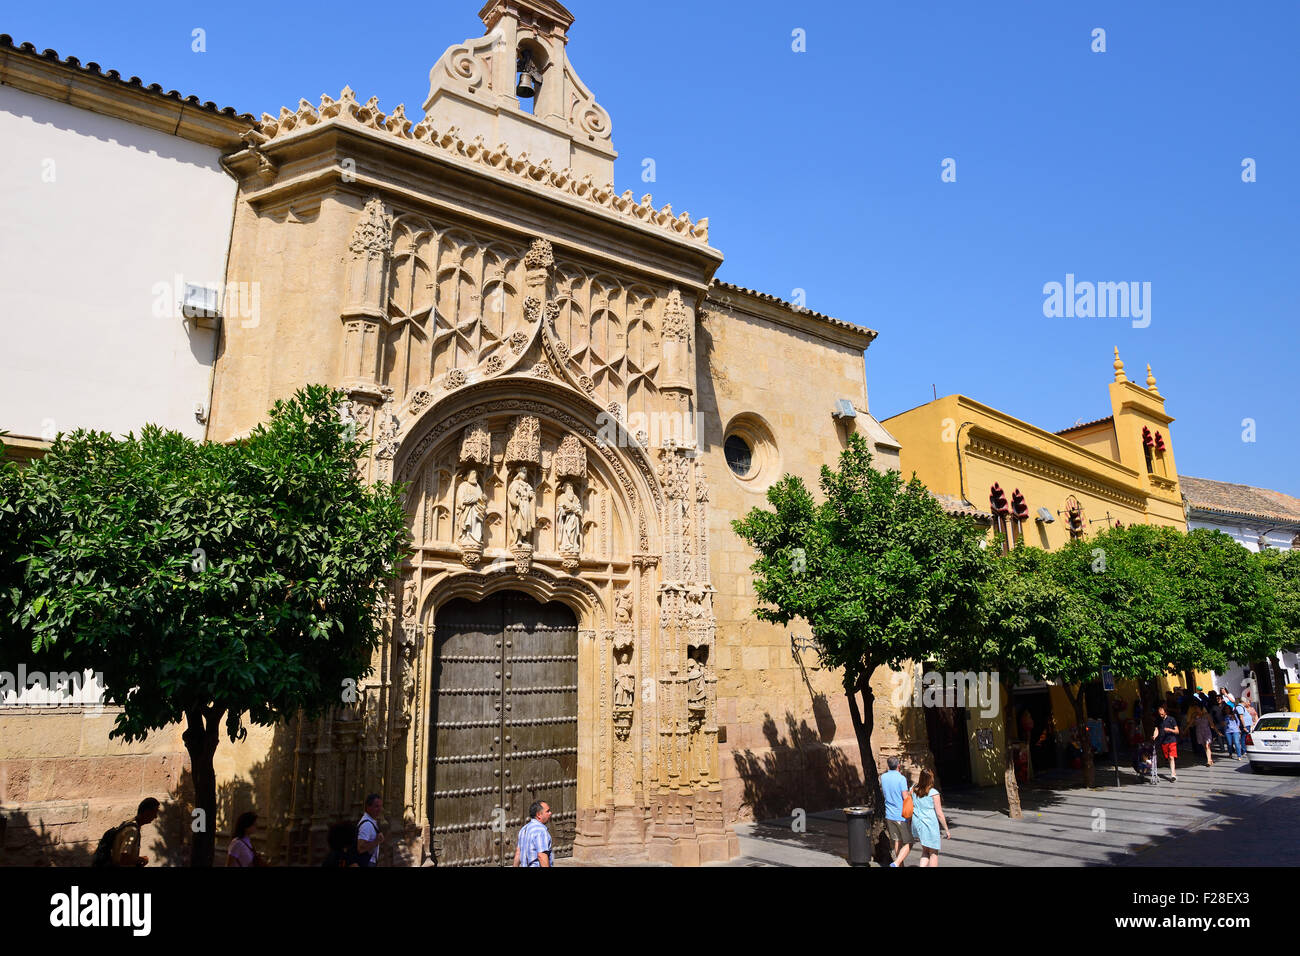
[526,88]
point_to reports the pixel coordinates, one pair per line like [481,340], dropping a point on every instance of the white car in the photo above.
[1274,741]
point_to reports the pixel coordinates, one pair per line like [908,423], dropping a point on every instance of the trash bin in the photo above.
[1293,696]
[859,819]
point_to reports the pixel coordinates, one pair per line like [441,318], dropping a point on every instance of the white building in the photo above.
[1255,518]
[113,197]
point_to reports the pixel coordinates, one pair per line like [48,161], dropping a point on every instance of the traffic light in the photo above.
[998,500]
[1019,507]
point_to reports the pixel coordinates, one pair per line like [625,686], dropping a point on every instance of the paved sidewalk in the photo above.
[1067,825]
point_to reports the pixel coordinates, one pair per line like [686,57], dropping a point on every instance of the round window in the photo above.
[740,457]
[750,451]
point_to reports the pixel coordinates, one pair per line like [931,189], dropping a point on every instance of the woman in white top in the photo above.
[240,852]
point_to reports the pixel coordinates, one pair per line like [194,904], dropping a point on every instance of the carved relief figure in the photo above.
[623,607]
[522,515]
[471,510]
[568,519]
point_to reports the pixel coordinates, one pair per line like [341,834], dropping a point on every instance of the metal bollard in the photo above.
[859,819]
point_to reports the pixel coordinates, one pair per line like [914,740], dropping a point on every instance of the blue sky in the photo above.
[820,170]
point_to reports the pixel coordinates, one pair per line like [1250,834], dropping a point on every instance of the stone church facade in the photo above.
[577,410]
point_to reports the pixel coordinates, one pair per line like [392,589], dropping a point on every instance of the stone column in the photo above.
[364,312]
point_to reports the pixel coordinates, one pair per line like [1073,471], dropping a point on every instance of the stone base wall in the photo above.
[63,782]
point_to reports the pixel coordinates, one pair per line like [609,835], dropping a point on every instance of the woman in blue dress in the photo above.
[927,818]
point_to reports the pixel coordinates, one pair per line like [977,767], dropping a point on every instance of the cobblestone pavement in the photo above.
[1223,814]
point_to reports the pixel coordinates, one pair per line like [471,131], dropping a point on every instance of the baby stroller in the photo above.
[1144,761]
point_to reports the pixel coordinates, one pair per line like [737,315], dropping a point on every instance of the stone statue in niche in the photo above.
[568,519]
[471,510]
[408,599]
[695,680]
[523,516]
[408,668]
[624,678]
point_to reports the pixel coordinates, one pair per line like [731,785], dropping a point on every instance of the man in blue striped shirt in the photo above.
[534,846]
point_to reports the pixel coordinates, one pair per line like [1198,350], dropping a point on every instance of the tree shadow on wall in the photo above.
[26,840]
[799,771]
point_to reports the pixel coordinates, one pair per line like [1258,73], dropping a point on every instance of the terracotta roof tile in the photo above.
[1095,421]
[1222,497]
[959,508]
[93,68]
[777,300]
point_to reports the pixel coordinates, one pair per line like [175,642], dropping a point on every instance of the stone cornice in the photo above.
[87,88]
[1105,469]
[1145,408]
[496,160]
[309,165]
[993,447]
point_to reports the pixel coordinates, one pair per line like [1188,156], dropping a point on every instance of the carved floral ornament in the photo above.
[348,110]
[373,234]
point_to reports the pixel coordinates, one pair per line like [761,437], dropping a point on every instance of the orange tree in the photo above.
[213,585]
[877,569]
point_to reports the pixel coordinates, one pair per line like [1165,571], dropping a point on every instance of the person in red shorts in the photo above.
[1167,731]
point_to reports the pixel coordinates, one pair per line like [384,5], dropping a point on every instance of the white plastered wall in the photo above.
[98,219]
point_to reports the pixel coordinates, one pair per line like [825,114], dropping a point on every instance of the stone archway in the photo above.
[503,725]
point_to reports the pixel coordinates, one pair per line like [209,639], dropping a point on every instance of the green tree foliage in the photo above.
[215,584]
[877,569]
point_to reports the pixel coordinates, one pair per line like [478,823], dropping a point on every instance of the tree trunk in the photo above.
[1009,771]
[1080,702]
[1147,691]
[864,720]
[200,737]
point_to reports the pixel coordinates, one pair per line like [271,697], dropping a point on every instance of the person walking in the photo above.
[1216,713]
[240,852]
[1202,724]
[927,818]
[368,836]
[1232,715]
[1167,731]
[533,848]
[120,846]
[894,785]
[1252,715]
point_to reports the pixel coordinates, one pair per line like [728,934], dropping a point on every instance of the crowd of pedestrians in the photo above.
[1206,722]
[350,844]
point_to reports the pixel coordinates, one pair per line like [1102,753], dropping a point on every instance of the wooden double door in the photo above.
[505,726]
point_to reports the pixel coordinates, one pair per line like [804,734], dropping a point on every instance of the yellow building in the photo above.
[1041,488]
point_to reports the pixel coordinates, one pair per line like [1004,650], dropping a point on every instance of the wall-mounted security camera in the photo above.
[1045,516]
[844,409]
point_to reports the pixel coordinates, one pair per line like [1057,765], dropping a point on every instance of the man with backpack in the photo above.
[368,836]
[120,846]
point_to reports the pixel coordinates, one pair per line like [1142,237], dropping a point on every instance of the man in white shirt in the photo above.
[368,836]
